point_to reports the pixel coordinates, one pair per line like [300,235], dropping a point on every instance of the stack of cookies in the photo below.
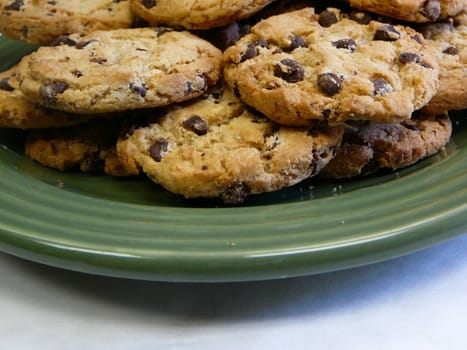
[225,99]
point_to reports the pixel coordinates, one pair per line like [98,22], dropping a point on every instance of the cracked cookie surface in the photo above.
[120,69]
[216,146]
[300,67]
[42,21]
[196,14]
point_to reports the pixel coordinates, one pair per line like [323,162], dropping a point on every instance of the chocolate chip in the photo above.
[149,3]
[251,49]
[360,17]
[159,149]
[348,44]
[327,18]
[431,9]
[49,92]
[296,42]
[98,60]
[289,70]
[387,33]
[139,89]
[408,57]
[329,83]
[451,50]
[381,86]
[64,40]
[235,193]
[196,124]
[14,6]
[417,38]
[5,85]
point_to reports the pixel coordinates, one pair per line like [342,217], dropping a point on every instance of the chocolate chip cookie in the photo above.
[364,150]
[412,10]
[217,147]
[449,41]
[88,147]
[42,21]
[300,68]
[18,112]
[198,14]
[121,69]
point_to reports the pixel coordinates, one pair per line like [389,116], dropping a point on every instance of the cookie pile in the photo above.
[223,99]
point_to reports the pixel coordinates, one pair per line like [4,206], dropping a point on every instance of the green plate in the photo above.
[133,228]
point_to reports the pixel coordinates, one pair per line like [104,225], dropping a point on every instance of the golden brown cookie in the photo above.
[89,147]
[43,21]
[16,111]
[449,42]
[120,69]
[300,67]
[195,14]
[217,147]
[412,10]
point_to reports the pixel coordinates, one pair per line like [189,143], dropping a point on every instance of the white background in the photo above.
[414,302]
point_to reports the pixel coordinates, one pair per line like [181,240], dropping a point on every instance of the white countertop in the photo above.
[414,302]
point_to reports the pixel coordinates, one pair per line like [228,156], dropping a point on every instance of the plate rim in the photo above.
[22,234]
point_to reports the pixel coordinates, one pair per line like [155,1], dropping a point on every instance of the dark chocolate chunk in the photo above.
[387,33]
[329,83]
[289,70]
[49,92]
[451,50]
[252,49]
[14,6]
[5,85]
[139,89]
[327,18]
[149,3]
[235,193]
[408,57]
[159,149]
[360,17]
[431,9]
[417,38]
[296,42]
[381,86]
[196,124]
[64,40]
[348,44]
